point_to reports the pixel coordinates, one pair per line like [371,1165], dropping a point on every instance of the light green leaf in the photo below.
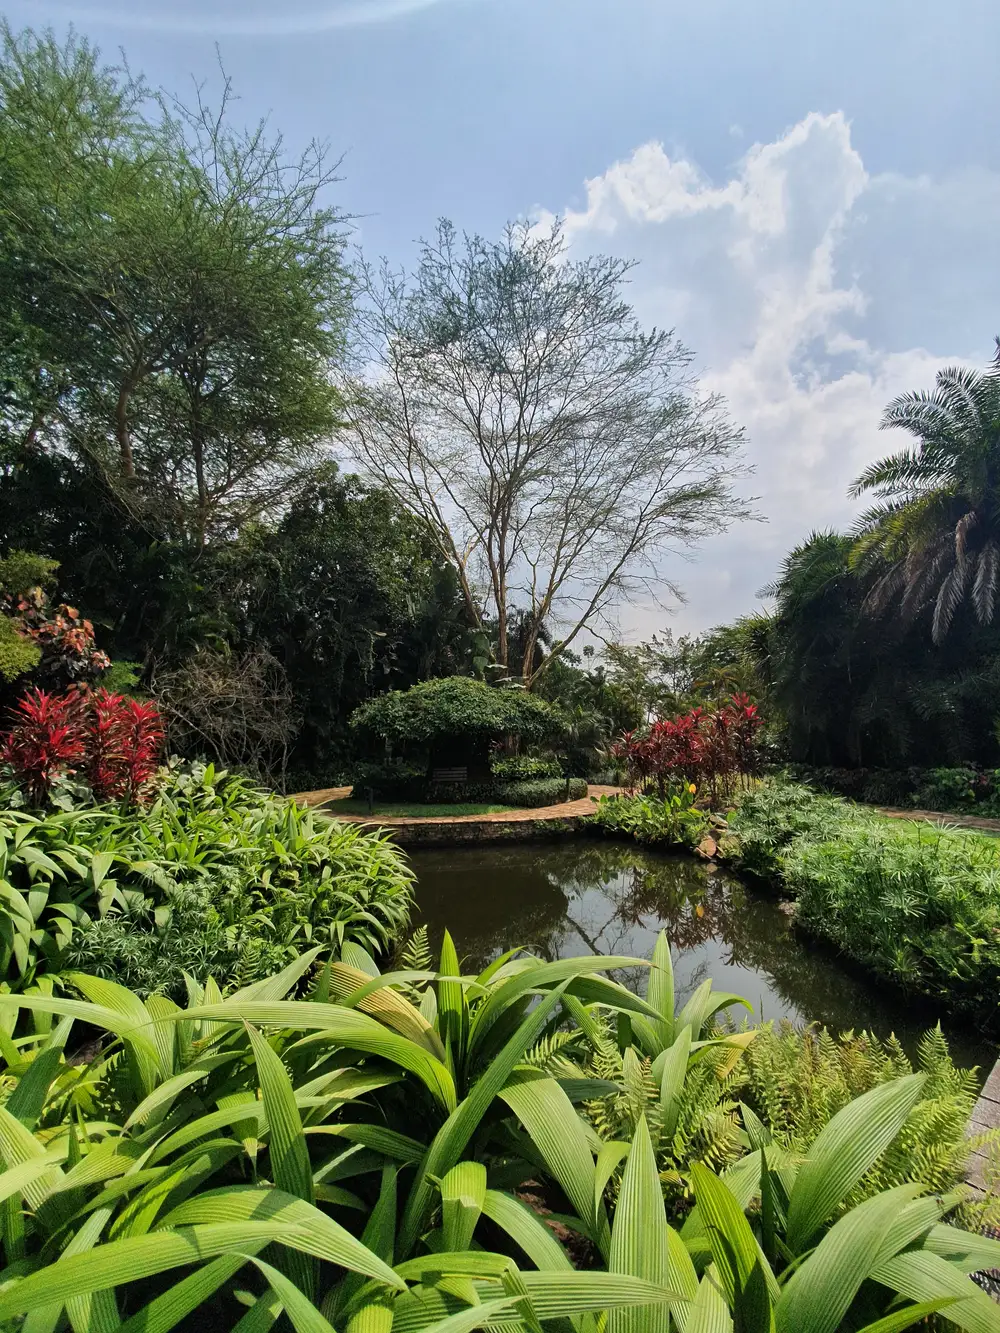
[821,1290]
[921,1276]
[463,1191]
[846,1148]
[660,992]
[458,1129]
[558,1133]
[639,1240]
[734,1247]
[527,1230]
[302,1314]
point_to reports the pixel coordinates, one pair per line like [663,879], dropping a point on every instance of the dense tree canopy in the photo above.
[172,293]
[174,304]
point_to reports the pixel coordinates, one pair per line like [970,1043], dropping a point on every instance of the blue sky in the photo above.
[812,191]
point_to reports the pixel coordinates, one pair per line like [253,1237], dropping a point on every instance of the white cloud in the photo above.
[254,18]
[812,292]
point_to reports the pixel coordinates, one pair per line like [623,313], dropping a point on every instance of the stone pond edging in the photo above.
[985,1116]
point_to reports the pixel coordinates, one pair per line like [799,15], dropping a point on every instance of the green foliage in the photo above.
[670,821]
[213,877]
[22,570]
[797,1079]
[852,689]
[456,706]
[18,655]
[525,768]
[123,678]
[769,818]
[698,1083]
[372,1137]
[915,903]
[541,791]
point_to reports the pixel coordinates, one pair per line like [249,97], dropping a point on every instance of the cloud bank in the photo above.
[812,292]
[252,18]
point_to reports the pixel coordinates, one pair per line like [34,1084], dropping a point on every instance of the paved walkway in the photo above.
[939,817]
[327,801]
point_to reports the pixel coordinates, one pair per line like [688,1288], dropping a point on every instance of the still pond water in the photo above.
[566,898]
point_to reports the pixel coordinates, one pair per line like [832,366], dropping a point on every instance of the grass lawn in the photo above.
[350,806]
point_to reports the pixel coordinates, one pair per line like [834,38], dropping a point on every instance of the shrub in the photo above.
[963,789]
[668,821]
[110,741]
[198,1163]
[712,749]
[769,819]
[237,709]
[45,743]
[389,781]
[915,903]
[56,644]
[525,768]
[539,792]
[214,876]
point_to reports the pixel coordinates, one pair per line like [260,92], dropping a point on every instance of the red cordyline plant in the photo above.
[124,737]
[112,741]
[710,749]
[45,742]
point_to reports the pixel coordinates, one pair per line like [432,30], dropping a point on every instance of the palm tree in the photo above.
[936,529]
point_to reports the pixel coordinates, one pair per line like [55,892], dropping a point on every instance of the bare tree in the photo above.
[238,710]
[555,451]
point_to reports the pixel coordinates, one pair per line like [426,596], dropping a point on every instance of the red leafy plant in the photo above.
[708,748]
[64,636]
[45,743]
[112,741]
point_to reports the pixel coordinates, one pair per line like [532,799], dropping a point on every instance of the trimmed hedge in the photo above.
[523,768]
[540,792]
[456,706]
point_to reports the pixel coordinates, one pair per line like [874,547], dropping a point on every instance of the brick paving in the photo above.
[938,817]
[327,799]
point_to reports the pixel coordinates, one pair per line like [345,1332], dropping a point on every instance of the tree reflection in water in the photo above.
[578,896]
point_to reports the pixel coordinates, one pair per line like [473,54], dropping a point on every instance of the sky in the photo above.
[812,192]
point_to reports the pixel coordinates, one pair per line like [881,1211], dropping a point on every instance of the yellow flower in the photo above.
[692,789]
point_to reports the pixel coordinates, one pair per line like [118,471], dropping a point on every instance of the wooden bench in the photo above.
[459,776]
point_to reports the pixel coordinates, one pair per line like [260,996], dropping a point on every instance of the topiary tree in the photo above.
[455,720]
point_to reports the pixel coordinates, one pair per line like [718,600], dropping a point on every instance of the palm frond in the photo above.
[948,599]
[984,589]
[962,529]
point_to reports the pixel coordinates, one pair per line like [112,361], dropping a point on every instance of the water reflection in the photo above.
[578,896]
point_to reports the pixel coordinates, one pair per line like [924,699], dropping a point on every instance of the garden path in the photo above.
[328,798]
[938,817]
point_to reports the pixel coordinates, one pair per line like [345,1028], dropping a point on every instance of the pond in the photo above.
[566,898]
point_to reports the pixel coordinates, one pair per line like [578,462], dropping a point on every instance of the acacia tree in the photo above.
[554,450]
[171,292]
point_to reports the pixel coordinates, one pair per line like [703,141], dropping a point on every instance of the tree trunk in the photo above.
[124,438]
